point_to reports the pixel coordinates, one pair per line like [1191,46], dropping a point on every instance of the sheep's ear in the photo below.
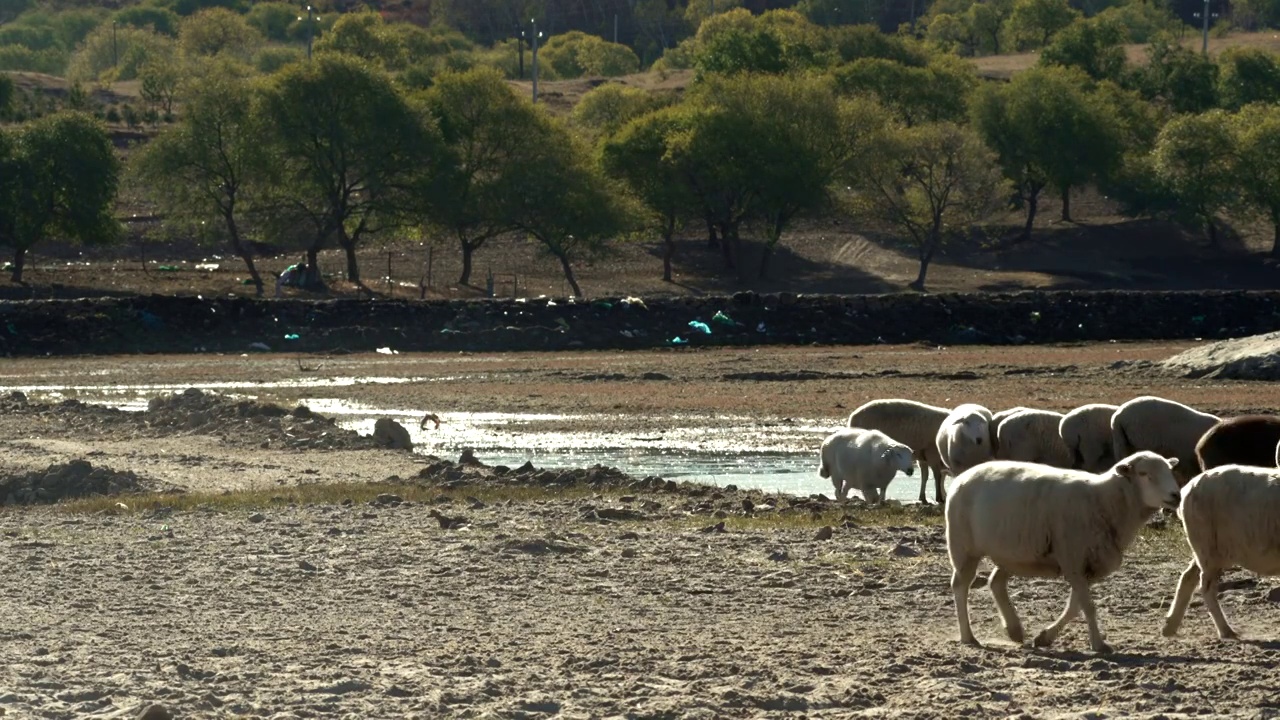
[1173,462]
[1125,469]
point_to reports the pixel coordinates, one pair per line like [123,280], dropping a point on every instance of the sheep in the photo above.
[1033,520]
[1229,515]
[964,438]
[913,424]
[1086,431]
[863,460]
[1246,440]
[1161,426]
[1032,436]
[996,419]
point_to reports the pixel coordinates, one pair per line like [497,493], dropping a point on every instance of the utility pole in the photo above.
[615,28]
[1204,48]
[535,35]
[310,30]
[115,56]
[520,49]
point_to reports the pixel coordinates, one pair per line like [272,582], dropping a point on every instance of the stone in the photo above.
[824,533]
[904,550]
[155,712]
[389,433]
[257,518]
[1256,357]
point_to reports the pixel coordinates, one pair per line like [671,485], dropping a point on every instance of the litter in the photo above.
[168,268]
[260,346]
[291,336]
[207,266]
[677,340]
[723,319]
[387,351]
[761,328]
[629,301]
[701,326]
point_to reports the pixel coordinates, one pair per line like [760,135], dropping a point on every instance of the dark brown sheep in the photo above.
[1246,440]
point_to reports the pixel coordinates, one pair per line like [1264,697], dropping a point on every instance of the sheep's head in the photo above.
[900,458]
[1153,475]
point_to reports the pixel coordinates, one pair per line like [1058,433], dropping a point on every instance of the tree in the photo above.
[351,149]
[698,10]
[1248,75]
[1094,45]
[564,201]
[577,54]
[637,154]
[487,129]
[364,35]
[118,53]
[1257,130]
[1048,130]
[160,84]
[208,167]
[215,31]
[1034,22]
[939,91]
[930,182]
[63,174]
[604,110]
[161,20]
[6,95]
[1194,158]
[1182,78]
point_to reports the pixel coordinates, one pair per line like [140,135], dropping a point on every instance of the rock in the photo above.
[747,505]
[779,556]
[257,518]
[904,550]
[1274,594]
[449,523]
[628,552]
[629,536]
[1249,358]
[824,533]
[388,499]
[389,433]
[717,528]
[306,566]
[155,712]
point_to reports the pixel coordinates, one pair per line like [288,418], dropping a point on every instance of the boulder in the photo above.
[1256,357]
[389,433]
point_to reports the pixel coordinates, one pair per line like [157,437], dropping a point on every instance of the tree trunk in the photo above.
[353,269]
[1066,204]
[233,231]
[1212,229]
[767,254]
[727,234]
[467,251]
[926,256]
[312,280]
[19,261]
[568,275]
[668,248]
[1033,204]
[918,283]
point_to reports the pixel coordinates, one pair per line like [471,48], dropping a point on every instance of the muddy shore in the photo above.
[619,600]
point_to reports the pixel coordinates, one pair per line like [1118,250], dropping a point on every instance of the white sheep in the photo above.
[1032,436]
[1087,434]
[964,438]
[1033,520]
[913,424]
[1230,515]
[1162,426]
[996,419]
[863,460]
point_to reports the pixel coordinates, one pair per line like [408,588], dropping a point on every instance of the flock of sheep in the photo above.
[1046,494]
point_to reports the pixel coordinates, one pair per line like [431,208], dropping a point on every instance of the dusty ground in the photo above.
[331,610]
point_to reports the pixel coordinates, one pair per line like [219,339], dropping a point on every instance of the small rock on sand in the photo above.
[389,433]
[155,712]
[824,533]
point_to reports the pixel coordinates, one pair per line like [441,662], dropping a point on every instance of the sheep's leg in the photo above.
[1049,634]
[999,583]
[1186,585]
[1080,587]
[961,578]
[924,479]
[939,492]
[841,493]
[1209,578]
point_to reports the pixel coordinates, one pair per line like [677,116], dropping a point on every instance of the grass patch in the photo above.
[1162,543]
[319,494]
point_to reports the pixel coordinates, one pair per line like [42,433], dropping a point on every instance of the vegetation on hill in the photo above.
[313,129]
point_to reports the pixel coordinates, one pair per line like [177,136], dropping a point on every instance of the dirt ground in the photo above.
[538,608]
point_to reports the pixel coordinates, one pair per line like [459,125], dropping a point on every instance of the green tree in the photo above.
[1048,129]
[159,84]
[210,165]
[6,96]
[161,20]
[1248,75]
[364,35]
[1033,23]
[929,182]
[605,109]
[273,19]
[564,201]
[10,9]
[1194,157]
[637,154]
[217,30]
[1094,45]
[118,55]
[351,148]
[488,130]
[1257,174]
[63,175]
[698,10]
[1184,79]
[936,92]
[986,20]
[576,54]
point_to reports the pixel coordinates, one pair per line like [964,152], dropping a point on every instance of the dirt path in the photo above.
[538,609]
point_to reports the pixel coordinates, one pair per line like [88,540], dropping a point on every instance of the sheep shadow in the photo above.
[1122,658]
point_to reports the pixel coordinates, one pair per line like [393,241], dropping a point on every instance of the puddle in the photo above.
[737,450]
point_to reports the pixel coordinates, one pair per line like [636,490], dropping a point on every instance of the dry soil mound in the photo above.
[77,478]
[1249,358]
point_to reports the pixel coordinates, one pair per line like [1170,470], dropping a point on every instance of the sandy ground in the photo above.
[533,611]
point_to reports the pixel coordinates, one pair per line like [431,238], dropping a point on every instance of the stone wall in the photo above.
[183,324]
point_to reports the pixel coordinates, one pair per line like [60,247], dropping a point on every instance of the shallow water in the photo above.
[725,450]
